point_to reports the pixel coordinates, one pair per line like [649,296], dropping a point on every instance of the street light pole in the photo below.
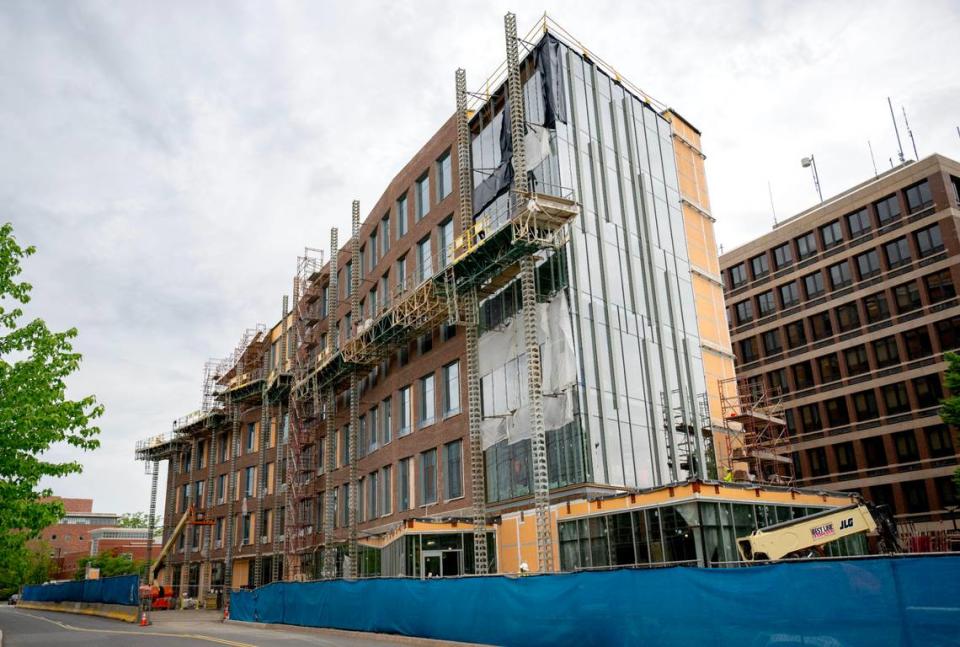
[811,162]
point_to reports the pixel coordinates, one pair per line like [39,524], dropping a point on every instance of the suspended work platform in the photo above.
[484,259]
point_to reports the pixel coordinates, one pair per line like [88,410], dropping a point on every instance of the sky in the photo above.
[170,160]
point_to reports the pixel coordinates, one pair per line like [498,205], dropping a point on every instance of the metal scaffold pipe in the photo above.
[470,317]
[541,482]
[329,513]
[355,270]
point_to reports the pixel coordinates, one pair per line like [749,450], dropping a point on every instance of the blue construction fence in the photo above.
[122,589]
[870,602]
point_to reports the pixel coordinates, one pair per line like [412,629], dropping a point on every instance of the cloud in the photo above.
[171,160]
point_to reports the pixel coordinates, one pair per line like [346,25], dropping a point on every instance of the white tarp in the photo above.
[503,369]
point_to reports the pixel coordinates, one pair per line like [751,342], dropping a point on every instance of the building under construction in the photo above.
[513,363]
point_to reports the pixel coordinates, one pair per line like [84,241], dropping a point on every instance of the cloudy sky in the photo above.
[170,160]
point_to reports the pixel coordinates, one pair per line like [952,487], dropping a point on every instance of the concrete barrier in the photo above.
[115,611]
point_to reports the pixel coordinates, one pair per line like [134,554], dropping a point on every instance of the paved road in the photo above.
[29,628]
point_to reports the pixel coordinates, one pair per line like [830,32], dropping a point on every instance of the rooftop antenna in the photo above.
[772,208]
[910,133]
[811,163]
[897,131]
[873,159]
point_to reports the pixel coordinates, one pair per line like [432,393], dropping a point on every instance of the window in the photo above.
[813,285]
[868,264]
[928,390]
[778,379]
[765,303]
[875,453]
[428,477]
[782,255]
[887,209]
[347,280]
[446,242]
[425,343]
[451,389]
[421,196]
[251,436]
[939,441]
[840,275]
[810,416]
[796,334]
[829,368]
[821,326]
[405,412]
[856,359]
[848,317]
[876,307]
[386,490]
[249,476]
[245,539]
[771,343]
[940,286]
[905,443]
[453,470]
[895,398]
[831,234]
[858,222]
[373,495]
[444,176]
[345,445]
[837,413]
[386,420]
[865,405]
[221,489]
[426,404]
[424,260]
[846,457]
[886,351]
[898,252]
[738,275]
[384,234]
[802,375]
[907,297]
[403,484]
[789,294]
[917,342]
[402,215]
[918,197]
[748,350]
[948,332]
[402,273]
[760,266]
[915,494]
[806,246]
[929,241]
[818,461]
[744,311]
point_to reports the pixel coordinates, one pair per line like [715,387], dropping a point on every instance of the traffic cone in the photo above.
[144,620]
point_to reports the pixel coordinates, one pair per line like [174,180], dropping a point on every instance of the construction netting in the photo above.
[899,601]
[122,589]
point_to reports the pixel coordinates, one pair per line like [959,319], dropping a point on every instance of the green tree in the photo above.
[137,520]
[110,564]
[950,408]
[35,413]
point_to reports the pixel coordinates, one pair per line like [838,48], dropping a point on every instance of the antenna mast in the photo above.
[897,131]
[872,159]
[916,156]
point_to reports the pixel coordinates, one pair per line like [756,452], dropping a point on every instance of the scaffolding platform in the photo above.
[757,434]
[485,259]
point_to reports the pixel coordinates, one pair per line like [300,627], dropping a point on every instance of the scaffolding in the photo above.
[759,446]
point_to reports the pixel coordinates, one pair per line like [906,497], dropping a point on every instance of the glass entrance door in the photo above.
[442,563]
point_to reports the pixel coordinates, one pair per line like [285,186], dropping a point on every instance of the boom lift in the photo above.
[804,537]
[192,517]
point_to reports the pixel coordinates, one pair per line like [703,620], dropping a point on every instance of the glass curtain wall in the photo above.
[640,369]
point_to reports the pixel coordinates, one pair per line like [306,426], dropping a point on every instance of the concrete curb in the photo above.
[396,638]
[112,611]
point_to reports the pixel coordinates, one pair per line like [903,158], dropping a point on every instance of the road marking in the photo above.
[221,641]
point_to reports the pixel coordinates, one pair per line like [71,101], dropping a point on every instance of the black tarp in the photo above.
[551,80]
[547,60]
